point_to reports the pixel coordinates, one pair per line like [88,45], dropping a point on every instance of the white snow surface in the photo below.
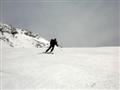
[67,68]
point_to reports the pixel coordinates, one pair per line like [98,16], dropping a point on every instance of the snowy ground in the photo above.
[69,68]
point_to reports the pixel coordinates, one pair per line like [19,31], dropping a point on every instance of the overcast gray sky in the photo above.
[74,23]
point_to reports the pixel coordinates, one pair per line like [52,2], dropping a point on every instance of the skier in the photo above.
[53,42]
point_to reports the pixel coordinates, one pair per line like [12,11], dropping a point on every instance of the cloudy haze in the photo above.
[73,22]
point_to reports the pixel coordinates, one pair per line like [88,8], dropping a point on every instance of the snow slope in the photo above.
[69,68]
[15,37]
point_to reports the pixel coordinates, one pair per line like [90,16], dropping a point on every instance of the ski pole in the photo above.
[60,48]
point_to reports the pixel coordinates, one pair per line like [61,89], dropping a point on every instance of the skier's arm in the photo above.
[57,44]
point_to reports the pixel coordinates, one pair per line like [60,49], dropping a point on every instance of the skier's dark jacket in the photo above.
[53,42]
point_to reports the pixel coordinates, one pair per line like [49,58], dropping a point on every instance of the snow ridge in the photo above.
[15,37]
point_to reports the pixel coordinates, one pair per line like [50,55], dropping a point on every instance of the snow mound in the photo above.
[16,37]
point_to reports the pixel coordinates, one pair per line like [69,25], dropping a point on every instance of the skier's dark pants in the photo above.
[51,47]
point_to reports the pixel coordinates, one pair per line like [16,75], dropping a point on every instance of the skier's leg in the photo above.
[52,49]
[48,49]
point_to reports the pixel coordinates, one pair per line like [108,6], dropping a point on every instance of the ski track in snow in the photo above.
[69,68]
